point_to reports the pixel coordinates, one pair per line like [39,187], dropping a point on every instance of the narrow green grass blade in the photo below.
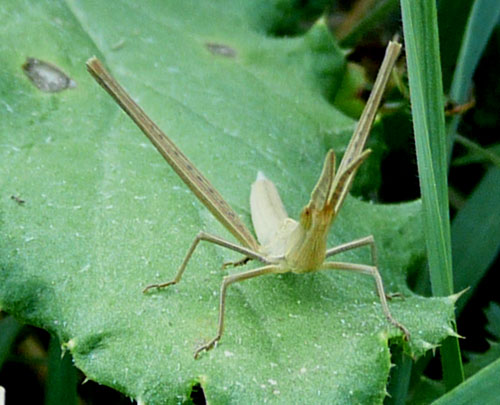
[452,20]
[400,379]
[482,20]
[426,91]
[483,385]
[472,255]
[62,379]
[477,153]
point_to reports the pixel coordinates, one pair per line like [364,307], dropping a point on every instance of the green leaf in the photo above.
[104,215]
[478,361]
[472,256]
[483,385]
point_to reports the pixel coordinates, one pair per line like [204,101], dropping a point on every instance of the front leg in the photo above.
[213,239]
[236,263]
[366,241]
[371,271]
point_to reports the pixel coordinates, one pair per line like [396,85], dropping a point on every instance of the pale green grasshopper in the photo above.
[285,244]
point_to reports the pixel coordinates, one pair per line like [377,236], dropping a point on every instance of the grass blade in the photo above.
[472,255]
[62,378]
[400,379]
[477,153]
[482,20]
[426,91]
[452,20]
[482,386]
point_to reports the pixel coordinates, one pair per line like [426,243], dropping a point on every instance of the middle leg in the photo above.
[228,280]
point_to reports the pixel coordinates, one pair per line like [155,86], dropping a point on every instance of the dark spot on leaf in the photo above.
[221,49]
[47,77]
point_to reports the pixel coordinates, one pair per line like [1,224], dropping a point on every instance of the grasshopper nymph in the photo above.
[285,245]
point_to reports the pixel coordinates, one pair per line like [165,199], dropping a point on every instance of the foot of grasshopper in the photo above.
[162,285]
[390,296]
[206,346]
[237,263]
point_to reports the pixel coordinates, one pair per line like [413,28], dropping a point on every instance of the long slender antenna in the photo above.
[358,140]
[187,171]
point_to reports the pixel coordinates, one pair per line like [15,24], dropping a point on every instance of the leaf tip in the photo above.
[452,332]
[320,22]
[454,297]
[69,345]
[426,346]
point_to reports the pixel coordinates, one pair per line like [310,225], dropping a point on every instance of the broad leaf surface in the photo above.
[104,215]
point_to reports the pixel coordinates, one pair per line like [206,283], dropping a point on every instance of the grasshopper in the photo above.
[285,245]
